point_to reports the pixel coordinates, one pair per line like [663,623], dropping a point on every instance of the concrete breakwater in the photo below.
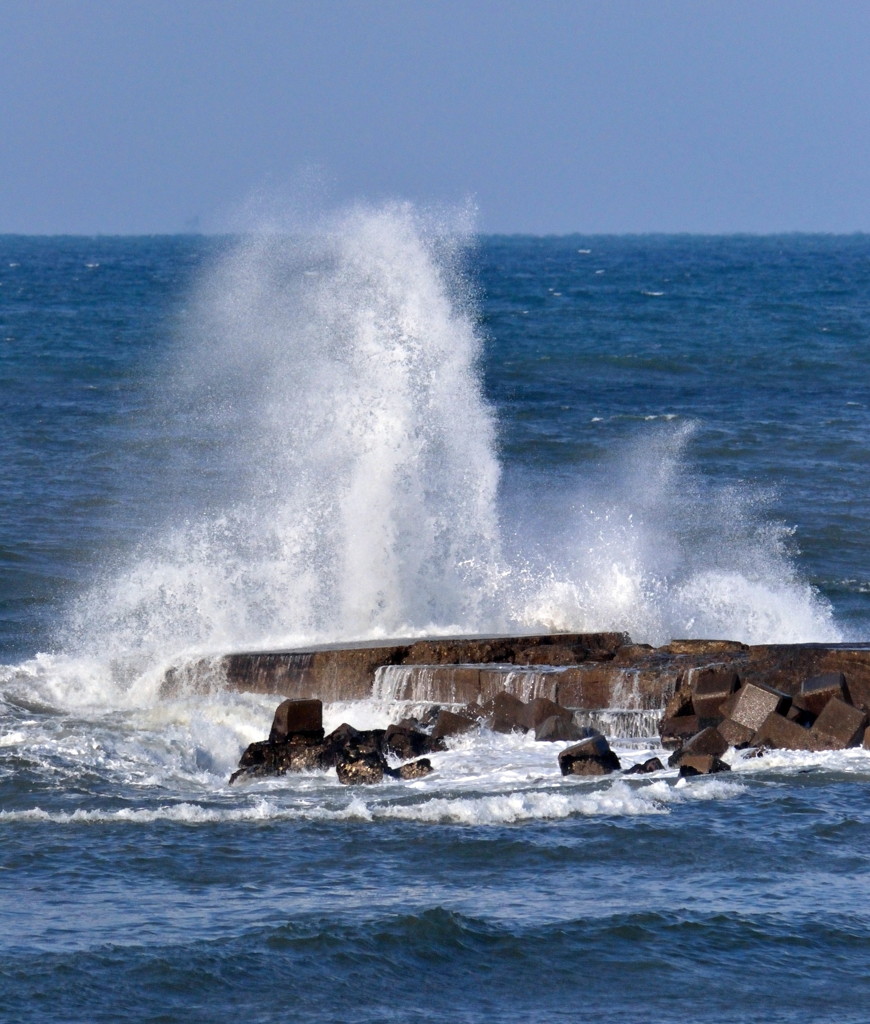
[581,671]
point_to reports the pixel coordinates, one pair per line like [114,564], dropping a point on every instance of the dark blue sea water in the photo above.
[375,429]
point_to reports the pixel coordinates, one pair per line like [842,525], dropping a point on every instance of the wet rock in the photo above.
[450,723]
[754,702]
[707,741]
[674,732]
[592,756]
[780,733]
[414,769]
[531,715]
[504,713]
[299,753]
[557,727]
[839,725]
[710,687]
[360,768]
[404,742]
[630,654]
[427,718]
[294,717]
[652,764]
[702,764]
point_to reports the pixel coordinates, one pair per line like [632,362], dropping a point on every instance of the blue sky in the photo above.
[550,115]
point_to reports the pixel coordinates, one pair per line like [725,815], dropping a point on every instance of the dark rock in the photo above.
[754,702]
[558,728]
[297,716]
[652,764]
[839,725]
[343,734]
[428,717]
[816,692]
[702,764]
[503,713]
[414,769]
[531,715]
[708,741]
[405,742]
[345,741]
[302,751]
[448,723]
[361,768]
[255,754]
[592,756]
[710,687]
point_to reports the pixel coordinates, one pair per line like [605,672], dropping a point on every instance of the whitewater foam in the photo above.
[331,473]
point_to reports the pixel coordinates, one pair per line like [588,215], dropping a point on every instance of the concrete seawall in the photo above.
[584,671]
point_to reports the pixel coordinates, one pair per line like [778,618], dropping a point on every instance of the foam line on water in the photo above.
[575,797]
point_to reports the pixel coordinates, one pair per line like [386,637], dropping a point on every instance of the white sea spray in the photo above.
[331,472]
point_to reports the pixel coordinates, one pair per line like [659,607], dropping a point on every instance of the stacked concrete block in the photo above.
[713,709]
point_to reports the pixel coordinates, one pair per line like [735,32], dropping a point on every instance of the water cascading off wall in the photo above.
[332,473]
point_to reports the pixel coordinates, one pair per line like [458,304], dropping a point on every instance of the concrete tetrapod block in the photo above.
[296,716]
[735,734]
[449,723]
[556,727]
[779,732]
[675,731]
[504,713]
[839,725]
[754,703]
[539,709]
[711,686]
[816,692]
[702,764]
[708,741]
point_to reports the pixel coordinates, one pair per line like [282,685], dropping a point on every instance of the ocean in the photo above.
[374,425]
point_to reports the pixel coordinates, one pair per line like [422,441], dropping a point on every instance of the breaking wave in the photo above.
[331,472]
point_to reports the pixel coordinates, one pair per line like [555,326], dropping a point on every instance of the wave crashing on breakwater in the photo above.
[335,466]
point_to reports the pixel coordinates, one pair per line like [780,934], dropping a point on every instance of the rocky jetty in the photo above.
[578,671]
[712,695]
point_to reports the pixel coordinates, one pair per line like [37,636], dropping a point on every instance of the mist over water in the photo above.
[330,473]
